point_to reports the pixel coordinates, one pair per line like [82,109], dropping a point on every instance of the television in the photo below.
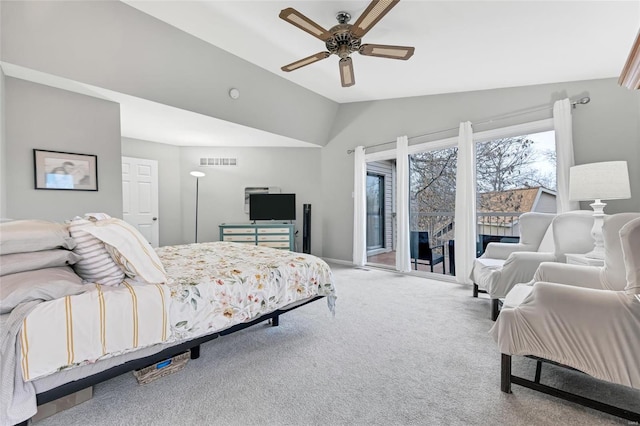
[272,206]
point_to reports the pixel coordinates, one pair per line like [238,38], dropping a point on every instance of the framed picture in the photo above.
[248,190]
[65,170]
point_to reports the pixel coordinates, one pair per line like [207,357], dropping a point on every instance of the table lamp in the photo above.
[608,180]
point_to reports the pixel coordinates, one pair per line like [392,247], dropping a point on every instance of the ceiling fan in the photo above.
[344,38]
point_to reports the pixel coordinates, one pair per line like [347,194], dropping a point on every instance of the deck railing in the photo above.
[441,225]
[490,226]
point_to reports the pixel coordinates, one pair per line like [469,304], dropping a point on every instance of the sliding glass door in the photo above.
[432,203]
[512,174]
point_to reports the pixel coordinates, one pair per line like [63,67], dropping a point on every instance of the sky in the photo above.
[543,142]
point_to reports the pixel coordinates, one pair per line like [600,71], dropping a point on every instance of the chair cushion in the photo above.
[486,272]
[546,245]
[572,233]
[613,274]
[533,226]
[516,295]
[630,238]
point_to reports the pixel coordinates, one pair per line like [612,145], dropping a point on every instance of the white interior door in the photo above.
[140,196]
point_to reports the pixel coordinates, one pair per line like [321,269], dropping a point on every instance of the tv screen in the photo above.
[272,206]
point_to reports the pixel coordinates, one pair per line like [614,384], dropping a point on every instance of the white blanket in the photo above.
[103,322]
[18,398]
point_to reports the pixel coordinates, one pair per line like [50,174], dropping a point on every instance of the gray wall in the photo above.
[112,45]
[294,170]
[169,176]
[56,120]
[3,150]
[608,128]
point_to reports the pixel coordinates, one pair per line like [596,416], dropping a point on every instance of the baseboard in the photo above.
[338,261]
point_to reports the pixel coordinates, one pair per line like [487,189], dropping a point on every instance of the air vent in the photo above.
[218,161]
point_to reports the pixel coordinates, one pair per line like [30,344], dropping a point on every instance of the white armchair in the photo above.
[546,238]
[588,319]
[611,276]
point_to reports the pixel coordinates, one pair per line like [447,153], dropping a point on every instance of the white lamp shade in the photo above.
[196,173]
[608,180]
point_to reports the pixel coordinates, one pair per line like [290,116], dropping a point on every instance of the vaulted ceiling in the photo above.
[460,45]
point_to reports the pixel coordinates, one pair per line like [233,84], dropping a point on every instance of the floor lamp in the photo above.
[197,175]
[608,180]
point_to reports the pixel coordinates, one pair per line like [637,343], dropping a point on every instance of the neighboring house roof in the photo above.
[513,200]
[517,201]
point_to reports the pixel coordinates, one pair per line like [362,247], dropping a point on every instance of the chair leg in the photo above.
[494,309]
[505,373]
[475,290]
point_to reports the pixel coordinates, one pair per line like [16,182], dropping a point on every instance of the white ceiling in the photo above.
[460,45]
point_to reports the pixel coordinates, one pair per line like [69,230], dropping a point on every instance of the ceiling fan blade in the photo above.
[386,51]
[346,72]
[306,61]
[372,14]
[296,18]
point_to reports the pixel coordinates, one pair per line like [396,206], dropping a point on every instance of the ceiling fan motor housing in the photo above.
[343,42]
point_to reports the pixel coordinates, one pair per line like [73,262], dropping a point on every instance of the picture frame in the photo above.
[66,171]
[248,190]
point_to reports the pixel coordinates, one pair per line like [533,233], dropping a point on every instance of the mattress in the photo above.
[211,287]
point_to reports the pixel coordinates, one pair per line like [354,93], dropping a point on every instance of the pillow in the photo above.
[20,236]
[95,265]
[44,284]
[20,262]
[130,250]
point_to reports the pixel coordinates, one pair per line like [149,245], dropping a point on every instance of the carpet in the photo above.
[401,350]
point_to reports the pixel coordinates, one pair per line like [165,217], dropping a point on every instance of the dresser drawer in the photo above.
[273,237]
[251,231]
[273,231]
[240,238]
[274,244]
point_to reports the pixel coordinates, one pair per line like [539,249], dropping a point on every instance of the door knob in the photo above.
[155,218]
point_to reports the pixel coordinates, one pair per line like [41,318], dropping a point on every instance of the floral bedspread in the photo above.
[217,285]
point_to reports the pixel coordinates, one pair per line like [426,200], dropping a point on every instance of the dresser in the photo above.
[276,235]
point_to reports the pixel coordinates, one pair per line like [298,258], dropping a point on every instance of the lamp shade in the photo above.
[608,180]
[196,173]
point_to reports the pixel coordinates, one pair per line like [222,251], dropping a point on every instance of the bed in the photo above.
[86,332]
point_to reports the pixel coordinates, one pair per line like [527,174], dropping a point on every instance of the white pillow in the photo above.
[41,284]
[21,236]
[96,264]
[130,250]
[20,262]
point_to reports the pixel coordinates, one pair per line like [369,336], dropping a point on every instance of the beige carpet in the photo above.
[401,350]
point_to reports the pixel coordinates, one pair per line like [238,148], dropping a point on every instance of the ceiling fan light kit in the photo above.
[346,72]
[344,39]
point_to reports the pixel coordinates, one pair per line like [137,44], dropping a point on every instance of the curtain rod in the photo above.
[581,101]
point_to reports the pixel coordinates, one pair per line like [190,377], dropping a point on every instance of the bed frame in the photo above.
[506,379]
[135,364]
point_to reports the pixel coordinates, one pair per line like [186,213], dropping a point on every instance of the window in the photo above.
[514,175]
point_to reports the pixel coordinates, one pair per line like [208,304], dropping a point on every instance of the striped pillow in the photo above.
[96,265]
[130,250]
